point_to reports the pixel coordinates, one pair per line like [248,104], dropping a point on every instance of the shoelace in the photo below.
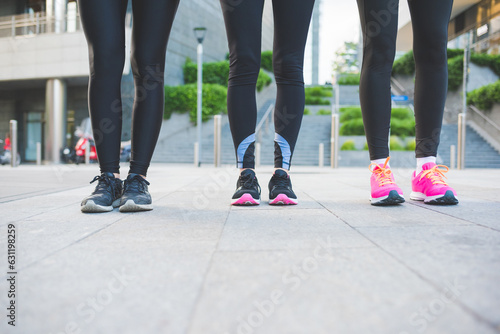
[280,181]
[382,174]
[249,181]
[138,186]
[104,181]
[435,174]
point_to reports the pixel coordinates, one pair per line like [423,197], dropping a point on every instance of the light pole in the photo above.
[199,33]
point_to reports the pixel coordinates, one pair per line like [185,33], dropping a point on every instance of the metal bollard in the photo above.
[321,155]
[87,153]
[452,156]
[217,140]
[13,143]
[461,141]
[38,153]
[334,141]
[257,154]
[196,148]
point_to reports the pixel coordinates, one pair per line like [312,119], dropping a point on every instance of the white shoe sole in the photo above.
[130,206]
[91,207]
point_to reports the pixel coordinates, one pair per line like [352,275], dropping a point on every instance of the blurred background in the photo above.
[44,74]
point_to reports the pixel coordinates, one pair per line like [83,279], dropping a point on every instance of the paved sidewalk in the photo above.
[332,264]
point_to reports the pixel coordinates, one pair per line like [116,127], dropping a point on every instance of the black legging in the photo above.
[244,28]
[104,26]
[379,20]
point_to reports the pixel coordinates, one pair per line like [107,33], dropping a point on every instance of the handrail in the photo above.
[486,118]
[39,23]
[398,85]
[263,119]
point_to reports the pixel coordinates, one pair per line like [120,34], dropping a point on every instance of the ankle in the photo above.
[244,169]
[285,170]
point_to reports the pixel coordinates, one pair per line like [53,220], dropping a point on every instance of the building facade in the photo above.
[44,66]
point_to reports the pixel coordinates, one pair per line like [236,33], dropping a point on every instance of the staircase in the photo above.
[478,153]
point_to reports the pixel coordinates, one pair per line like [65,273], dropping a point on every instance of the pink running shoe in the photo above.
[429,186]
[384,188]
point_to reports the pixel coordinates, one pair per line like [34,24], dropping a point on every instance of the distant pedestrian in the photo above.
[244,28]
[379,21]
[6,145]
[104,26]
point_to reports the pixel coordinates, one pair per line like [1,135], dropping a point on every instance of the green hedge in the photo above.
[213,73]
[317,95]
[263,80]
[349,79]
[350,114]
[324,112]
[266,60]
[217,73]
[183,99]
[353,127]
[485,97]
[395,144]
[348,145]
[406,65]
[307,111]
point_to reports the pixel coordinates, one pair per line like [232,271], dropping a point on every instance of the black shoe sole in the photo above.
[448,199]
[392,199]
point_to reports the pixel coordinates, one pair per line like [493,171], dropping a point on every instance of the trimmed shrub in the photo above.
[318,91]
[213,73]
[404,127]
[485,97]
[411,145]
[455,72]
[324,112]
[349,114]
[401,113]
[404,65]
[353,127]
[266,60]
[365,148]
[395,144]
[307,111]
[314,100]
[183,99]
[348,145]
[263,80]
[349,79]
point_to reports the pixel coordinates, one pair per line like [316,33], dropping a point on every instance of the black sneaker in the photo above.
[106,195]
[247,189]
[280,189]
[135,194]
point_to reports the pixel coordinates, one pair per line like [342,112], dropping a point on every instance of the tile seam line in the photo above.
[67,246]
[81,239]
[205,276]
[457,302]
[459,218]
[40,193]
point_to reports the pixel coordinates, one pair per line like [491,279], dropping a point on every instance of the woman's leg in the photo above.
[379,22]
[430,29]
[243,27]
[104,26]
[291,24]
[152,24]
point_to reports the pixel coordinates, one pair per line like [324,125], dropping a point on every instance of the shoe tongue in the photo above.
[109,174]
[281,173]
[248,173]
[428,166]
